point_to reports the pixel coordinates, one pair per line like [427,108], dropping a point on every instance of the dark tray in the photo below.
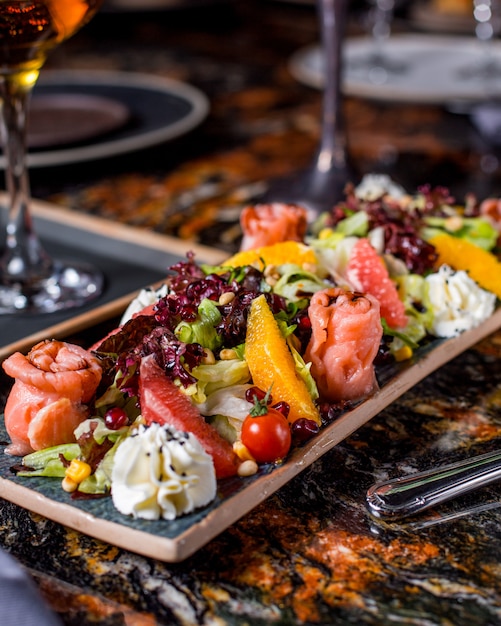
[129,258]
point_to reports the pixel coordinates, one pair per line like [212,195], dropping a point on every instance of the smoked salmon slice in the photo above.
[266,224]
[53,384]
[346,333]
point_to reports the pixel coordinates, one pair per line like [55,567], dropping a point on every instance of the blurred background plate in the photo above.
[438,70]
[61,119]
[159,110]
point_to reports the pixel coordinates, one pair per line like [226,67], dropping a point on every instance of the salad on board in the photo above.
[225,368]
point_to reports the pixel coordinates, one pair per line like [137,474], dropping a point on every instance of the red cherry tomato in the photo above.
[267,436]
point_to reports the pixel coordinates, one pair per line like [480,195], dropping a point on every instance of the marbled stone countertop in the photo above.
[309,554]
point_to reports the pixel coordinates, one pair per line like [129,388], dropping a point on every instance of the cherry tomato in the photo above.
[267,436]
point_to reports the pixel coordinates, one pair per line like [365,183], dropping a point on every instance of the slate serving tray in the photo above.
[175,541]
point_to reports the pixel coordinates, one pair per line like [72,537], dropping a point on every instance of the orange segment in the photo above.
[461,254]
[276,254]
[271,363]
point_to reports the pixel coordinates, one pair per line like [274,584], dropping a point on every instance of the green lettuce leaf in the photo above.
[202,331]
[476,230]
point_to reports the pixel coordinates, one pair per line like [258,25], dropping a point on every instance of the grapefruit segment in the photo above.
[367,272]
[163,403]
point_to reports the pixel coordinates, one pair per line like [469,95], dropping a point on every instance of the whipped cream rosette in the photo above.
[160,472]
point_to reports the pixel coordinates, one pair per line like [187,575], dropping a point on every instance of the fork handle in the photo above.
[400,497]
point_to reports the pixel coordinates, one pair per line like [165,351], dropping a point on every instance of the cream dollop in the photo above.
[143,299]
[160,472]
[458,302]
[373,186]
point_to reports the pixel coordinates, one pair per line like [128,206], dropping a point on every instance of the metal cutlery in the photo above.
[401,497]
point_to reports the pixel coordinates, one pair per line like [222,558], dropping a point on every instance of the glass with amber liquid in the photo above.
[30,280]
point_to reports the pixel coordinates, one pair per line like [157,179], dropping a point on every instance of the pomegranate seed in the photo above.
[116,418]
[254,392]
[304,323]
[283,407]
[304,429]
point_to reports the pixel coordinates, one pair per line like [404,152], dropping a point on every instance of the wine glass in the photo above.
[322,184]
[487,15]
[30,280]
[377,66]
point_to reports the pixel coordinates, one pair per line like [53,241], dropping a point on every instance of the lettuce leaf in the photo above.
[48,462]
[476,230]
[295,282]
[202,331]
[211,377]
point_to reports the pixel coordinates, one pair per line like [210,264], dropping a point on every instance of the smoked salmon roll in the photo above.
[346,333]
[52,387]
[266,224]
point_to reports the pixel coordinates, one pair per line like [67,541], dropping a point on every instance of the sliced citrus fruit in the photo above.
[271,363]
[163,403]
[460,254]
[367,271]
[276,254]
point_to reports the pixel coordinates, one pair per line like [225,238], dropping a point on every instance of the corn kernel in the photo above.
[403,353]
[78,471]
[242,452]
[325,233]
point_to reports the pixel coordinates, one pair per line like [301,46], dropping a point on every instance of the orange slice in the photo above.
[276,254]
[460,254]
[271,363]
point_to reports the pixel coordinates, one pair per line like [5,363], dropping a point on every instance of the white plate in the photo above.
[434,69]
[160,110]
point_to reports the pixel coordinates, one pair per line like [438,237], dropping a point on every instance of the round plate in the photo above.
[62,119]
[437,69]
[160,110]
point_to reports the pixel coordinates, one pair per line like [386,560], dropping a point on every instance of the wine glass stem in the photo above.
[381,29]
[24,260]
[332,150]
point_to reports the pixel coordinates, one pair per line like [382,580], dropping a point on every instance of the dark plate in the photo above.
[61,119]
[159,109]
